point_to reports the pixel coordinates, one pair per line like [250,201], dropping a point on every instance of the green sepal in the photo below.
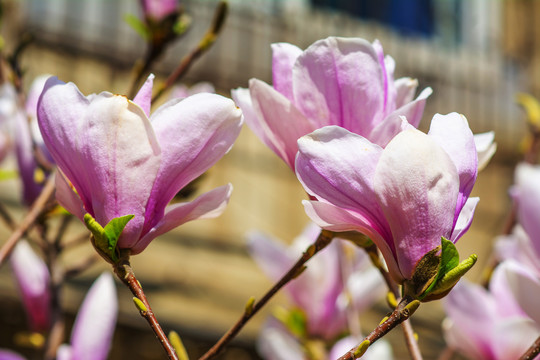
[449,260]
[105,239]
[425,274]
[450,279]
[138,25]
[294,320]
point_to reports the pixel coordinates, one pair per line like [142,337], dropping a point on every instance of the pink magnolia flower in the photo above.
[324,291]
[10,355]
[93,330]
[120,161]
[490,324]
[336,81]
[405,197]
[33,279]
[159,9]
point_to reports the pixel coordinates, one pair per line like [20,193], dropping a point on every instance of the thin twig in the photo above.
[125,273]
[35,211]
[325,237]
[408,332]
[403,311]
[532,351]
[206,43]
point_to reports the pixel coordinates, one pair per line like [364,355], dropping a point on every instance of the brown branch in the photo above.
[36,210]
[406,326]
[125,273]
[325,237]
[206,43]
[532,351]
[403,311]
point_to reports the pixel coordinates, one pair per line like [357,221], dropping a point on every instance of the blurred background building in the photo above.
[475,54]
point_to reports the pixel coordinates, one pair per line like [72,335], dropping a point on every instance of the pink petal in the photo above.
[522,284]
[26,162]
[282,123]
[405,90]
[453,134]
[473,312]
[465,218]
[485,147]
[513,336]
[276,343]
[337,219]
[94,326]
[284,56]
[144,96]
[340,81]
[527,180]
[413,110]
[67,197]
[10,355]
[207,205]
[416,185]
[193,134]
[258,125]
[327,170]
[33,279]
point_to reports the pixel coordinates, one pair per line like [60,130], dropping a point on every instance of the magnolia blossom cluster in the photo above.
[337,286]
[502,322]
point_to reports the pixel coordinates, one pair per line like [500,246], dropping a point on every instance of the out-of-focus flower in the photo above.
[276,343]
[523,245]
[93,330]
[120,162]
[33,279]
[489,324]
[8,111]
[157,10]
[336,81]
[405,197]
[323,292]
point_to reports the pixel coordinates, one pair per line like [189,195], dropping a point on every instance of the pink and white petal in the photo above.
[276,343]
[366,288]
[517,246]
[461,342]
[33,279]
[67,197]
[501,284]
[64,352]
[242,98]
[26,161]
[327,170]
[527,178]
[144,96]
[523,286]
[340,81]
[388,65]
[413,110]
[334,218]
[34,92]
[284,56]
[474,313]
[94,326]
[453,134]
[405,90]
[194,134]
[485,148]
[416,185]
[386,130]
[269,254]
[208,205]
[513,336]
[464,220]
[282,123]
